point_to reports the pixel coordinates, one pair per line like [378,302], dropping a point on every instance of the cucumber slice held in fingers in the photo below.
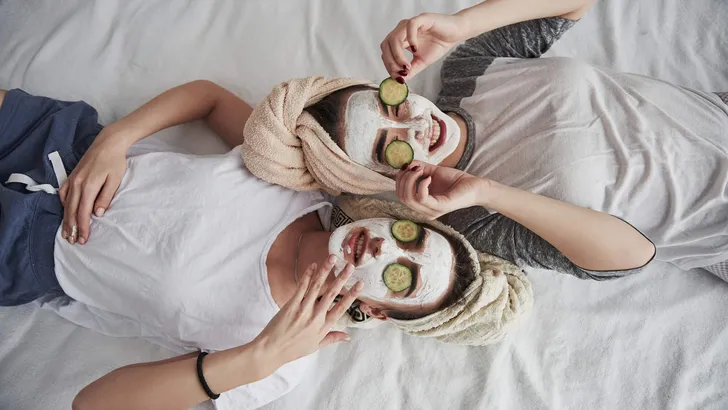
[393,93]
[397,277]
[399,153]
[405,231]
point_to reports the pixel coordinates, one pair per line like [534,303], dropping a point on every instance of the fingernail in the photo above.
[359,285]
[414,49]
[82,241]
[64,234]
[100,211]
[403,73]
[400,80]
[331,259]
[314,266]
[71,240]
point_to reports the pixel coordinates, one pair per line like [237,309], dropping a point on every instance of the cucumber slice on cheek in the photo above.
[399,153]
[405,231]
[397,277]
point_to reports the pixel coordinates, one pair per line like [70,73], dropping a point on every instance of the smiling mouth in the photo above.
[356,246]
[437,134]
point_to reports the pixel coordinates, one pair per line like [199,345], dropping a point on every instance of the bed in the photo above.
[658,340]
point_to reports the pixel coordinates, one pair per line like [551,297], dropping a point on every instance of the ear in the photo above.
[376,313]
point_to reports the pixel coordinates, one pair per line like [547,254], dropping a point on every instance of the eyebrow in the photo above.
[381,139]
[421,238]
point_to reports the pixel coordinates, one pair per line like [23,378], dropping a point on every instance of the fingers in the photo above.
[393,55]
[107,194]
[413,190]
[85,207]
[422,190]
[334,290]
[62,192]
[407,183]
[342,305]
[334,337]
[317,281]
[303,283]
[413,26]
[70,228]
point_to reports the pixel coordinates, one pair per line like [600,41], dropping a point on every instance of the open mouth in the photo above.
[356,246]
[437,134]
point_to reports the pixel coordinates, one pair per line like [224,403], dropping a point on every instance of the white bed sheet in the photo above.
[658,340]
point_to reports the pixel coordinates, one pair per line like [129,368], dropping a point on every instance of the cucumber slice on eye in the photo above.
[399,153]
[405,230]
[397,277]
[393,93]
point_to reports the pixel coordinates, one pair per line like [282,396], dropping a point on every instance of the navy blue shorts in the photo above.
[32,129]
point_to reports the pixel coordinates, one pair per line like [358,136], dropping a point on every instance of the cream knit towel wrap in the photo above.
[495,302]
[286,146]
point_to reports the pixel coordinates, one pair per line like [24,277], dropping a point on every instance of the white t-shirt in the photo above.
[179,259]
[649,152]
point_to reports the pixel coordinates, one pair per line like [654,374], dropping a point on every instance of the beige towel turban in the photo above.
[286,146]
[494,303]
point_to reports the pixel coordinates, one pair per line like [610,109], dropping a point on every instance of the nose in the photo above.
[376,246]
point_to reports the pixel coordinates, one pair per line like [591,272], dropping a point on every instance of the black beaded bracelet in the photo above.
[200,376]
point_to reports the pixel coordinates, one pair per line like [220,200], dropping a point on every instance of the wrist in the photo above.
[465,24]
[488,191]
[258,358]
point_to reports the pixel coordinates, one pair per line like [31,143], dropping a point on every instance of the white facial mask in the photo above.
[436,262]
[364,119]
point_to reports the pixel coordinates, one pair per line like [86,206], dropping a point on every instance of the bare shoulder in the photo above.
[2,96]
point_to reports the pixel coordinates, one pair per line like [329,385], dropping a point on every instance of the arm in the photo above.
[493,14]
[94,181]
[222,110]
[496,28]
[591,240]
[173,383]
[300,328]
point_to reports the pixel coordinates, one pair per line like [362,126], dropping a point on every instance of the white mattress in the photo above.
[654,341]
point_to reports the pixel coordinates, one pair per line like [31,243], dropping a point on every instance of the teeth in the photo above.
[359,245]
[348,249]
[435,133]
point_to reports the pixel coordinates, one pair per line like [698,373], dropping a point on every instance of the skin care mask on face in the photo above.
[432,134]
[433,263]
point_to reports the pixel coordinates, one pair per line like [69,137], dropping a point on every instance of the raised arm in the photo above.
[300,328]
[93,183]
[429,36]
[591,240]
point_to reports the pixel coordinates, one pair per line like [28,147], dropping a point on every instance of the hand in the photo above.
[91,186]
[433,190]
[428,36]
[303,325]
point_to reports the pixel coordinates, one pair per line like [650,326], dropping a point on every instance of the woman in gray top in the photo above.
[649,152]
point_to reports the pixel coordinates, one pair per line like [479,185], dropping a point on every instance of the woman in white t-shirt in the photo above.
[195,253]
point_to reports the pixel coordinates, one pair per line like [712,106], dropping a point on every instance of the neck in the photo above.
[454,158]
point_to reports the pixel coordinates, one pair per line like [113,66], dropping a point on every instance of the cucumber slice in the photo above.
[405,230]
[397,277]
[393,93]
[399,153]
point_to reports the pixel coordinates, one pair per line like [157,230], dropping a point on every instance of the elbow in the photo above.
[643,253]
[83,401]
